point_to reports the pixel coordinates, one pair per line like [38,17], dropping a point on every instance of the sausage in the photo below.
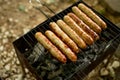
[82,25]
[72,34]
[86,19]
[62,46]
[64,37]
[50,47]
[92,15]
[88,39]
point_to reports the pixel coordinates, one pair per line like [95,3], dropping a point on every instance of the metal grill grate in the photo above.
[42,65]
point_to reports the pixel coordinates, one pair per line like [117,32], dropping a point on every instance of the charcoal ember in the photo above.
[90,54]
[43,73]
[45,68]
[68,69]
[37,51]
[80,60]
[55,61]
[101,47]
[95,47]
[39,61]
[48,66]
[54,73]
[51,66]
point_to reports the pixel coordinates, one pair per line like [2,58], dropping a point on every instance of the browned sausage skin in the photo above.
[81,24]
[86,19]
[50,47]
[63,47]
[72,34]
[64,37]
[88,39]
[92,15]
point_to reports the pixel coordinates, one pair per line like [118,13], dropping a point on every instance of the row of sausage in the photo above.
[66,37]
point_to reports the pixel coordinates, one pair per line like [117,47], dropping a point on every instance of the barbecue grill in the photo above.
[44,67]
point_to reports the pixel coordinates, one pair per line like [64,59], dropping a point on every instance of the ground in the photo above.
[18,17]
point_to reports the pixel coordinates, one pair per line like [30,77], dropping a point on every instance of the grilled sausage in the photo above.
[50,47]
[82,25]
[88,39]
[72,34]
[92,15]
[86,19]
[64,37]
[63,47]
